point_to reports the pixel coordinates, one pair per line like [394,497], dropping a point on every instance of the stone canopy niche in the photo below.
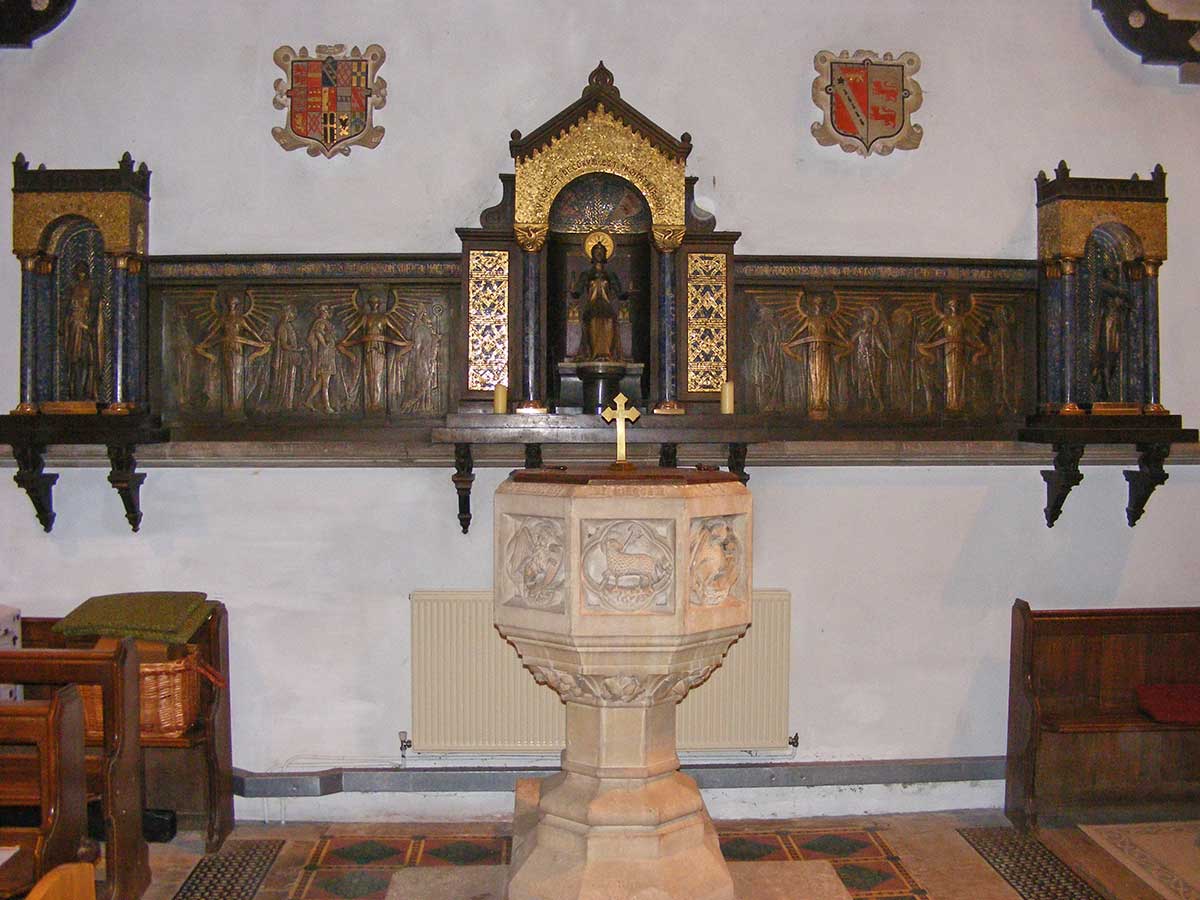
[585,280]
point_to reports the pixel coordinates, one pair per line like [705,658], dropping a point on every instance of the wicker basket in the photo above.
[170,698]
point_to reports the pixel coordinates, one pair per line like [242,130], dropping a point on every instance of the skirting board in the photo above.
[708,777]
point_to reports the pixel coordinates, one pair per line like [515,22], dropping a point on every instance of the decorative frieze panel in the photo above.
[326,352]
[707,322]
[717,571]
[487,320]
[533,566]
[628,565]
[623,689]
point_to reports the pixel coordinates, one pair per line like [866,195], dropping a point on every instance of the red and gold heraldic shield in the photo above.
[329,99]
[867,102]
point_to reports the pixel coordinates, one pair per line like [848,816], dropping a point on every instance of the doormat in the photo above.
[1165,855]
[234,873]
[1028,865]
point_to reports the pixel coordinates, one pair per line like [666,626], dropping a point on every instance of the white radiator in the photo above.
[471,694]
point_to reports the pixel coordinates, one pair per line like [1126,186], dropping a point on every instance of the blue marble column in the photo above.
[45,329]
[1150,326]
[135,353]
[1133,365]
[28,396]
[119,338]
[668,335]
[531,328]
[1070,313]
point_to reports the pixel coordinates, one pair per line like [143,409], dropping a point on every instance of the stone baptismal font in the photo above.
[622,589]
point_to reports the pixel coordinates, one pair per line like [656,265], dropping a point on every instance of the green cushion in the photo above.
[168,616]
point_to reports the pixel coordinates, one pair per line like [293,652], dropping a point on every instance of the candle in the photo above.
[500,399]
[727,398]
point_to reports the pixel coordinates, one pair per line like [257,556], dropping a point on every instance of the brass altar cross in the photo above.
[621,414]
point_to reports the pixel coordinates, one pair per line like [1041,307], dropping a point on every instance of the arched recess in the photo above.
[599,142]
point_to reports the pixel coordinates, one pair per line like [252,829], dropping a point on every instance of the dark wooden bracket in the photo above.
[737,461]
[127,480]
[668,456]
[1148,476]
[34,481]
[463,478]
[1059,480]
[533,456]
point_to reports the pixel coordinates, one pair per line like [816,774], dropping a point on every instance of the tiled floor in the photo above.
[933,855]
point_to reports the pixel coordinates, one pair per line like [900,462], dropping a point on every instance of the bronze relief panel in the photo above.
[309,352]
[879,354]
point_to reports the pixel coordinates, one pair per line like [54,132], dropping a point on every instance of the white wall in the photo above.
[902,578]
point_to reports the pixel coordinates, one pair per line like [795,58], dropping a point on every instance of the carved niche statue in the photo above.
[601,292]
[78,334]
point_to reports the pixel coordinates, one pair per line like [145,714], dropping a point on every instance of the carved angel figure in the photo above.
[375,329]
[232,330]
[716,564]
[817,338]
[956,335]
[818,332]
[535,559]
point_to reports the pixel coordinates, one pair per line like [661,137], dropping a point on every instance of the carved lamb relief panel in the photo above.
[534,570]
[628,565]
[717,561]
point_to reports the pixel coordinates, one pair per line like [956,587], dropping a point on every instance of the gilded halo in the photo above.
[598,237]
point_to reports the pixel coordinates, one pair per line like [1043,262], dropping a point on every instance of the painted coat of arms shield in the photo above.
[867,101]
[329,98]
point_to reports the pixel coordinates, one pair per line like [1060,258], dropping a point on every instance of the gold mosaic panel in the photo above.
[487,320]
[707,322]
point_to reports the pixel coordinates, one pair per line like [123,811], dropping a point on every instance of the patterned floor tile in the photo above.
[352,884]
[360,852]
[754,847]
[876,878]
[462,851]
[858,843]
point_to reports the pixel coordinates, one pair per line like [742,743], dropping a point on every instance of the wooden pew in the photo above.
[127,858]
[192,775]
[74,881]
[48,778]
[1078,746]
